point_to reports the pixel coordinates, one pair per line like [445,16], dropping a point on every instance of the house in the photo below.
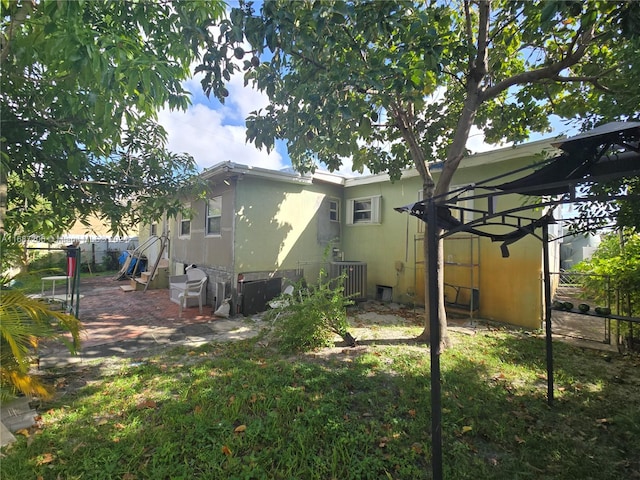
[260,229]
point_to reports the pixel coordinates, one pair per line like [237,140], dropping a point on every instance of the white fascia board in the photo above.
[530,149]
[329,177]
[235,169]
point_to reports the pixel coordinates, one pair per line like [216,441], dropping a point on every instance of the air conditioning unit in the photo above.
[355,281]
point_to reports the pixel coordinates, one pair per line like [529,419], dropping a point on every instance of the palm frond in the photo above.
[24,321]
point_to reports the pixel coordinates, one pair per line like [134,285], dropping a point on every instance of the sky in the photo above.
[213,133]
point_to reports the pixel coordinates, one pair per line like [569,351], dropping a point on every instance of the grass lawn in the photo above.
[243,411]
[31,282]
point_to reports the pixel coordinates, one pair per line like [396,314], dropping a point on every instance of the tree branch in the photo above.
[309,60]
[595,81]
[583,41]
[479,67]
[404,123]
[16,21]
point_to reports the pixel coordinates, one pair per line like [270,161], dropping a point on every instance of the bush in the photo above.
[615,265]
[48,261]
[309,318]
[111,260]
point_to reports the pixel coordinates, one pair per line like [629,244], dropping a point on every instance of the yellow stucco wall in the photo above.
[388,247]
[510,288]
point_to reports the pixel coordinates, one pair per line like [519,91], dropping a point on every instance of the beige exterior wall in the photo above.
[153,250]
[199,247]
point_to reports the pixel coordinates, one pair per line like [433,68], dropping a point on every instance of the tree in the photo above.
[26,321]
[621,213]
[81,84]
[398,84]
[80,87]
[615,268]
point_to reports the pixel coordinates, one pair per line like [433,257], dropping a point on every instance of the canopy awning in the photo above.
[585,156]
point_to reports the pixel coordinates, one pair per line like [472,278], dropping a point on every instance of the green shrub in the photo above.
[309,318]
[44,260]
[613,274]
[616,266]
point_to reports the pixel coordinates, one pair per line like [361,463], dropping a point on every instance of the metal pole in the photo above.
[547,311]
[76,281]
[434,323]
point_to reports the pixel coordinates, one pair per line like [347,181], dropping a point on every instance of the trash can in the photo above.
[72,258]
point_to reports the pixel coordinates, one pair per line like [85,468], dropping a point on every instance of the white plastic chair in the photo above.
[193,290]
[282,302]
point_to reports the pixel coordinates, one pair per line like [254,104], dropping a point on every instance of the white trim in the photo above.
[207,233]
[181,220]
[526,150]
[376,210]
[336,210]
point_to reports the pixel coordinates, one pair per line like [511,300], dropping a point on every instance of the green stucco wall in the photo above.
[510,289]
[283,226]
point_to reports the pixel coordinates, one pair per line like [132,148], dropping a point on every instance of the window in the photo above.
[214,214]
[364,210]
[154,229]
[334,210]
[185,223]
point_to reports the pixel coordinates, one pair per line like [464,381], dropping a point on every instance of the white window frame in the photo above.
[217,214]
[375,210]
[334,212]
[184,221]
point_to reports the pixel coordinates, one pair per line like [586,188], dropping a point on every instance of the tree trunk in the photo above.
[425,336]
[406,122]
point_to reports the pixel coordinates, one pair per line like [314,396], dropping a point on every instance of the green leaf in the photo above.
[548,12]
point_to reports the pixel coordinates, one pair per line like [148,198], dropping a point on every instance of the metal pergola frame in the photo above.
[436,213]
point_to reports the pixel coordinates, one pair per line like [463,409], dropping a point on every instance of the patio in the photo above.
[118,323]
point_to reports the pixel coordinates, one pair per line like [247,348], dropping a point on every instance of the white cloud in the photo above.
[476,143]
[214,133]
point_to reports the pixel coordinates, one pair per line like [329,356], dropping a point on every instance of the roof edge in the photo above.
[522,150]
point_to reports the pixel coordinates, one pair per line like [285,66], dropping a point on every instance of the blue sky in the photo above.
[215,133]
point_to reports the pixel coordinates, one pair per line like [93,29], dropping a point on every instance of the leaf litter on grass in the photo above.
[244,408]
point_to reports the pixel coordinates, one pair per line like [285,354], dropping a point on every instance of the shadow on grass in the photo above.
[243,411]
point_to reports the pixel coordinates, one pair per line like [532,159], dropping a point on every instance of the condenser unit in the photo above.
[355,280]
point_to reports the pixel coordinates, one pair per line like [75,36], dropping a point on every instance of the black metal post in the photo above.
[547,311]
[434,327]
[76,282]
